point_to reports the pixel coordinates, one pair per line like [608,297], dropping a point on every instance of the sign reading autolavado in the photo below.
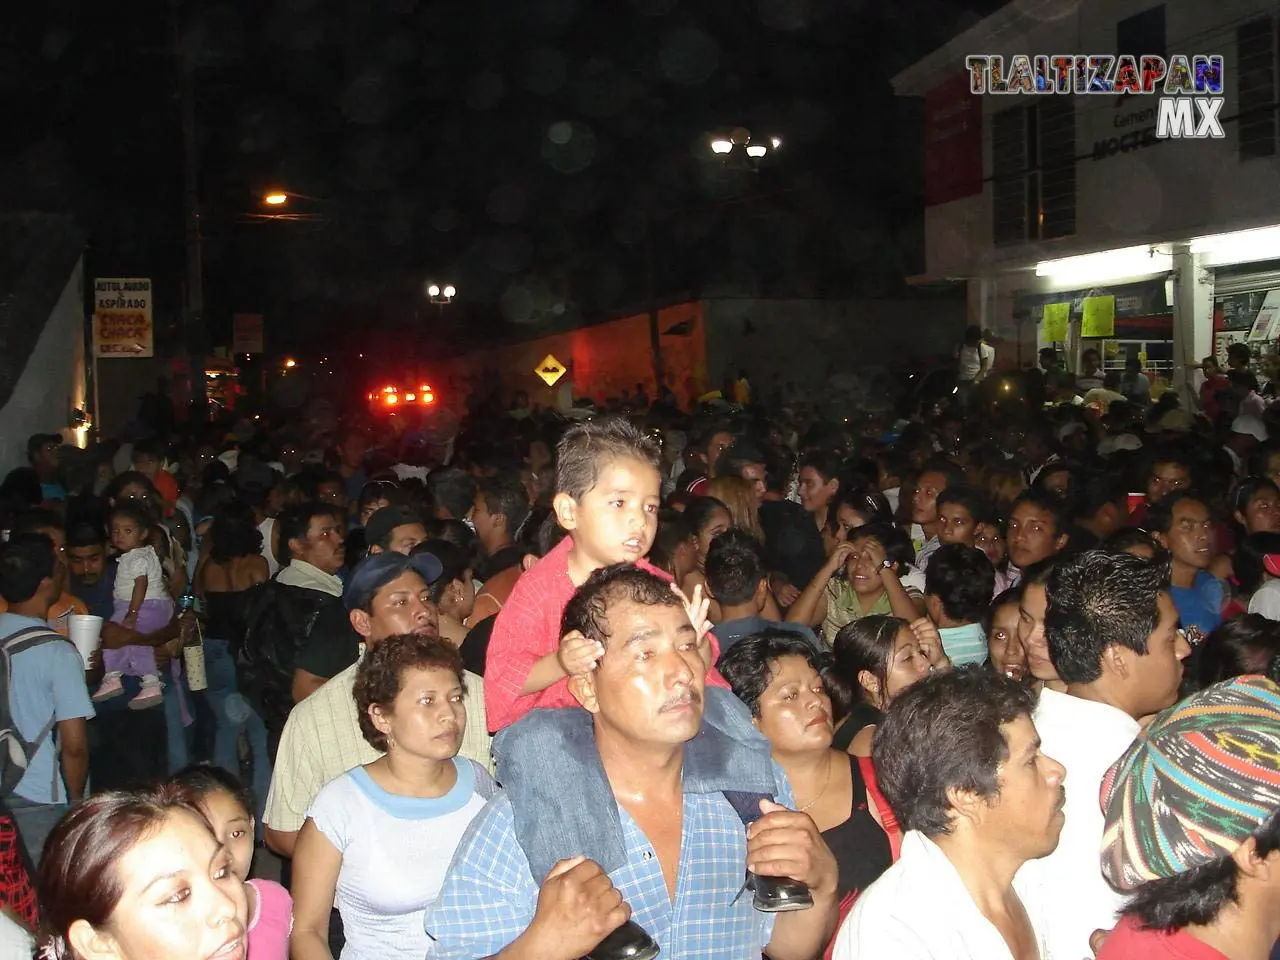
[122,324]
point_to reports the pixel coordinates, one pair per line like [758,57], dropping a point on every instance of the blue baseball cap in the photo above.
[377,570]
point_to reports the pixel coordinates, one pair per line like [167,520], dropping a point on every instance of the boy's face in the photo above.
[615,521]
[146,464]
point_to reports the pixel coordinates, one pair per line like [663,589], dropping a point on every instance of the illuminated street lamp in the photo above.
[441,294]
[290,363]
[738,147]
[276,199]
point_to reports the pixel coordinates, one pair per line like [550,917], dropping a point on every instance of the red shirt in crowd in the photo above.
[1130,942]
[528,628]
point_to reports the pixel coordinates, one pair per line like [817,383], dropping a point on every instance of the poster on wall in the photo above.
[952,142]
[1266,326]
[122,324]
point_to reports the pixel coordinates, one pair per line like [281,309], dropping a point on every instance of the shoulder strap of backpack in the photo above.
[27,638]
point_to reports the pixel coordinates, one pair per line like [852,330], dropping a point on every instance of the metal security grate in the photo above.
[1009,169]
[1057,202]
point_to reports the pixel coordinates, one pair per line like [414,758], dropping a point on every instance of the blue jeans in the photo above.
[35,822]
[177,745]
[234,717]
[548,761]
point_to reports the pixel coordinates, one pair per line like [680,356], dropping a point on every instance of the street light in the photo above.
[721,145]
[738,144]
[276,199]
[441,294]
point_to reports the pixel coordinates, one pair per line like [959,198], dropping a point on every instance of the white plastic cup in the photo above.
[86,634]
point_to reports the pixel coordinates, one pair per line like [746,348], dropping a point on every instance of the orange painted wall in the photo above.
[602,360]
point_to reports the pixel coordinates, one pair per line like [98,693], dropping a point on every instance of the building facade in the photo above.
[1049,199]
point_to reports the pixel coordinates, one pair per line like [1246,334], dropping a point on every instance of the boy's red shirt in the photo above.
[528,628]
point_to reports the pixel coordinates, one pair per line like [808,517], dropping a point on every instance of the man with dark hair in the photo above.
[708,444]
[47,693]
[1169,471]
[961,508]
[44,455]
[819,480]
[1181,523]
[501,508]
[671,778]
[1039,528]
[351,452]
[935,476]
[1099,509]
[93,575]
[48,523]
[398,529]
[958,587]
[452,492]
[1113,636]
[737,580]
[1192,829]
[960,763]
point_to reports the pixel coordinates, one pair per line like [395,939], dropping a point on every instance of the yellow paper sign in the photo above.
[1055,321]
[1099,317]
[550,370]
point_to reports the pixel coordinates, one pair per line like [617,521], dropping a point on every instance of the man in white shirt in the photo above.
[1112,633]
[960,763]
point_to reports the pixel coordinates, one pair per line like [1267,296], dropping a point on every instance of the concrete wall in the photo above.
[808,341]
[52,384]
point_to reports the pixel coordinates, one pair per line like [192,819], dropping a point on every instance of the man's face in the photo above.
[46,457]
[490,527]
[353,450]
[924,502]
[146,464]
[717,445]
[1031,632]
[323,546]
[956,524]
[648,687]
[753,473]
[332,492]
[1090,363]
[1190,536]
[405,537]
[1026,816]
[1154,679]
[1166,478]
[616,520]
[402,606]
[87,563]
[1033,535]
[815,491]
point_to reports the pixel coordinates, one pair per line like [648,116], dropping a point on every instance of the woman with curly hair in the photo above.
[366,845]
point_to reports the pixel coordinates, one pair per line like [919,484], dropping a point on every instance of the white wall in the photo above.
[52,383]
[1171,191]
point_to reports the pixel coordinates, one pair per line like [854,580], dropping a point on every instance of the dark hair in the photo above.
[1240,351]
[950,470]
[896,543]
[963,579]
[504,494]
[1250,556]
[1011,596]
[541,532]
[941,734]
[1126,537]
[1041,482]
[35,520]
[131,478]
[864,644]
[380,676]
[673,530]
[78,877]
[234,533]
[970,497]
[734,567]
[1169,453]
[825,464]
[1240,646]
[198,780]
[1160,513]
[700,511]
[455,562]
[1038,574]
[1095,490]
[376,490]
[149,447]
[1050,503]
[587,610]
[130,510]
[870,504]
[737,456]
[296,522]
[313,478]
[588,447]
[893,462]
[1248,488]
[705,432]
[38,440]
[27,561]
[453,489]
[86,533]
[1197,896]
[747,666]
[1096,600]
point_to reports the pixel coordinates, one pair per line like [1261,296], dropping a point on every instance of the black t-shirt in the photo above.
[475,648]
[333,644]
[792,543]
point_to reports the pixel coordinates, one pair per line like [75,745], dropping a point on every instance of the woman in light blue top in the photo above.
[365,845]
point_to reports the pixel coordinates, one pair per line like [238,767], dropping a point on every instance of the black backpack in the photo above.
[15,750]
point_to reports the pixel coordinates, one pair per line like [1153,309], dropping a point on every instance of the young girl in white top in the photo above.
[141,604]
[378,840]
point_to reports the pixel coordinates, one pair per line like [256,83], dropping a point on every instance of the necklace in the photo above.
[825,783]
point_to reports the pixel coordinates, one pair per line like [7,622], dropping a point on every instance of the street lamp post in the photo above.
[440,294]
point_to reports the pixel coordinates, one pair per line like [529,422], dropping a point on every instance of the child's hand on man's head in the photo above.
[579,655]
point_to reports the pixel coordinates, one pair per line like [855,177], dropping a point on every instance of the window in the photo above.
[1256,88]
[1034,171]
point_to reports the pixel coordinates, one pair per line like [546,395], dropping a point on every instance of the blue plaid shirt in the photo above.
[489,896]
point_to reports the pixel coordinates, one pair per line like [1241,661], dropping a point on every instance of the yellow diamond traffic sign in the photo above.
[550,370]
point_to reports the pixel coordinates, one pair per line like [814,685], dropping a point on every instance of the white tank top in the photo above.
[267,528]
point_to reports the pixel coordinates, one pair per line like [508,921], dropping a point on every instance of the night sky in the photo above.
[517,148]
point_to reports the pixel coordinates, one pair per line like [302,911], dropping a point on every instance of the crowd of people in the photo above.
[978,681]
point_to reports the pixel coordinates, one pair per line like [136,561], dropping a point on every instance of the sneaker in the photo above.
[110,687]
[152,693]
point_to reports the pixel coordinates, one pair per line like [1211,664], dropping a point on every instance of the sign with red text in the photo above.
[122,324]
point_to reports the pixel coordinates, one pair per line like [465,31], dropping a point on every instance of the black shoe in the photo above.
[628,942]
[778,894]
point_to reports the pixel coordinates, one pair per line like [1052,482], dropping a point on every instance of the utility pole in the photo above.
[655,332]
[193,312]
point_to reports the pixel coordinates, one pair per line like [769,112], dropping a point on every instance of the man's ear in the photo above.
[933,607]
[361,622]
[966,805]
[1115,659]
[583,689]
[566,510]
